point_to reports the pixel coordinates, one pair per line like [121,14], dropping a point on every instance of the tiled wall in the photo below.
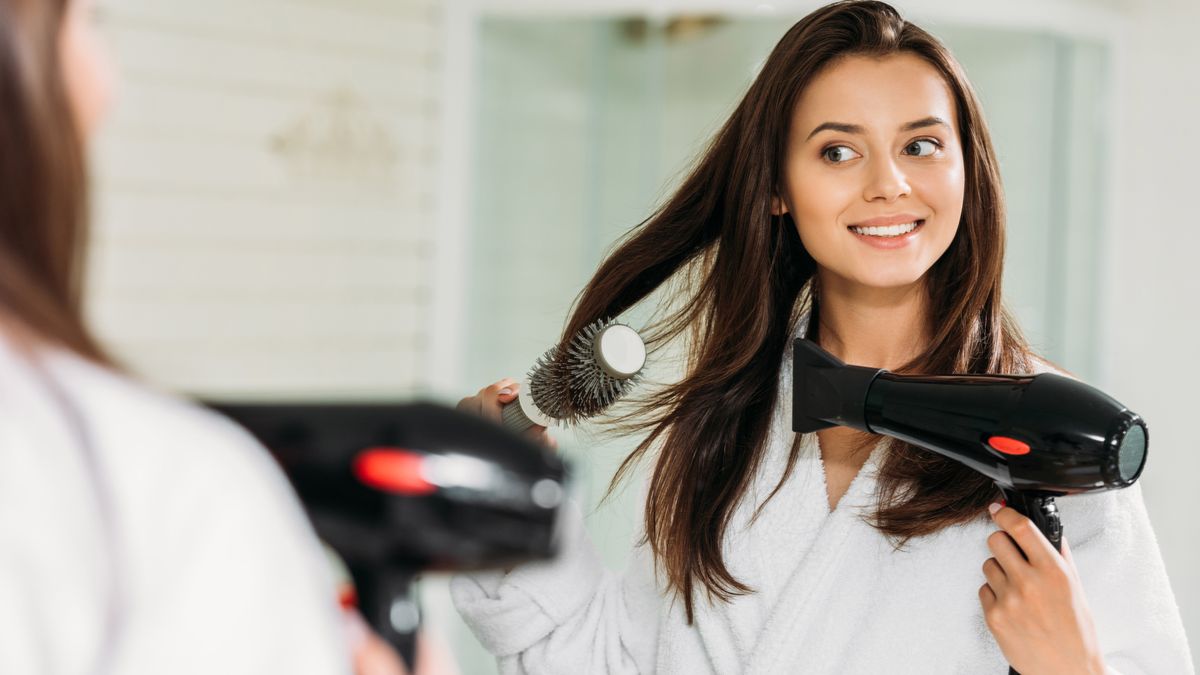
[264,194]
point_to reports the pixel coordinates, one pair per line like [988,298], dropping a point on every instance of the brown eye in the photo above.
[838,154]
[931,145]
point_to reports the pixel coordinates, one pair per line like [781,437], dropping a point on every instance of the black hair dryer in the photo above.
[1036,436]
[400,489]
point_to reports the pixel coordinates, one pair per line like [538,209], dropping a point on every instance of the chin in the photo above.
[897,279]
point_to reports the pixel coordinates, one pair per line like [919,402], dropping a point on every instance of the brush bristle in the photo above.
[569,385]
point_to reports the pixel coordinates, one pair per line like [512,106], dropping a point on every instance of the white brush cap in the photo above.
[620,351]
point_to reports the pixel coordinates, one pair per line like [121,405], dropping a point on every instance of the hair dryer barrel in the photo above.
[1045,433]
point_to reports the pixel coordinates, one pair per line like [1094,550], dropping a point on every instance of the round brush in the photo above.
[578,380]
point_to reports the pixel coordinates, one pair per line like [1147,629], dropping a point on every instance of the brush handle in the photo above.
[514,418]
[522,413]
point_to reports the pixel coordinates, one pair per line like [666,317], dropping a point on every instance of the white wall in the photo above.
[265,194]
[1152,296]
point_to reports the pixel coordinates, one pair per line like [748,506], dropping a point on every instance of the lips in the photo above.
[884,221]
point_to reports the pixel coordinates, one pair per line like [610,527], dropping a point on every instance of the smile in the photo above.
[888,230]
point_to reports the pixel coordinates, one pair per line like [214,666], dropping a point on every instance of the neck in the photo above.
[873,327]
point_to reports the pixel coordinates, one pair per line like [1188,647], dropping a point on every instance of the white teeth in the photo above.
[887,231]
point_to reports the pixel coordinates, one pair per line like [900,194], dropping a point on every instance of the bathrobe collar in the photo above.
[747,633]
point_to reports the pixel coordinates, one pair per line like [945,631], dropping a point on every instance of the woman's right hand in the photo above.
[488,402]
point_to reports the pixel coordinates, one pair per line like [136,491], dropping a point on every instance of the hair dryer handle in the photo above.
[1043,512]
[389,602]
[1041,509]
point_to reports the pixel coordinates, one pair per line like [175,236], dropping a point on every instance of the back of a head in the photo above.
[43,184]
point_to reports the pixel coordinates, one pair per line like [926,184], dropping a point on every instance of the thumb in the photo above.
[509,393]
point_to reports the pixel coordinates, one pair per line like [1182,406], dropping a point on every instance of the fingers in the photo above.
[987,597]
[469,404]
[490,401]
[507,385]
[492,398]
[1007,555]
[997,580]
[507,388]
[1027,536]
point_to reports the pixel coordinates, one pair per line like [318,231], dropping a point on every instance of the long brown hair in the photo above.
[43,188]
[746,280]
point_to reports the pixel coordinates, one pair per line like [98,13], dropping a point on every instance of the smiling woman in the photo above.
[852,197]
[847,182]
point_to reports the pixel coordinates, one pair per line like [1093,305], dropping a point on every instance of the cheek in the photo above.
[943,191]
[819,200]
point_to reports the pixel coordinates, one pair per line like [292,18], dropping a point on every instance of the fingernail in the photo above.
[993,508]
[505,392]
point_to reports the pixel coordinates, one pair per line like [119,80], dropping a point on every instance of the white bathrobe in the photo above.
[140,535]
[832,596]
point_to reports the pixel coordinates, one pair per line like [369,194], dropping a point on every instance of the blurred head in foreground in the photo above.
[54,89]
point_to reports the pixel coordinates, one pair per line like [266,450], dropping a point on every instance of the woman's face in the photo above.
[874,142]
[85,67]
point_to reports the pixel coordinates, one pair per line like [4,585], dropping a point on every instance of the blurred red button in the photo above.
[393,470]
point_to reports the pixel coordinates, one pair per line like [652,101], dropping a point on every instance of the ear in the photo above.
[778,208]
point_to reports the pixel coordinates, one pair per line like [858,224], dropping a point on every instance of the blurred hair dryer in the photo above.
[401,489]
[1036,436]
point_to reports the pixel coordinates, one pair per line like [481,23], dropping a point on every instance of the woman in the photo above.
[138,534]
[853,198]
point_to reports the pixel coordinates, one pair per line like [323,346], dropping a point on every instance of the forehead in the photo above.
[879,93]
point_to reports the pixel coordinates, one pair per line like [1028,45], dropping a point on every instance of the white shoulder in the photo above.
[212,540]
[160,432]
[199,494]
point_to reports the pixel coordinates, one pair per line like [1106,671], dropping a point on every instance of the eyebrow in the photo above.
[856,129]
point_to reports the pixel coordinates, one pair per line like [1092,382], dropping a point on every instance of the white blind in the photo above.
[264,195]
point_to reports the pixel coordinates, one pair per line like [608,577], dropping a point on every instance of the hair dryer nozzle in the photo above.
[827,392]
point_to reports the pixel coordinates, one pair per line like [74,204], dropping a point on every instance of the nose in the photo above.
[886,181]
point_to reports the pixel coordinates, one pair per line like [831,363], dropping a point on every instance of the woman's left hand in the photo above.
[1036,608]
